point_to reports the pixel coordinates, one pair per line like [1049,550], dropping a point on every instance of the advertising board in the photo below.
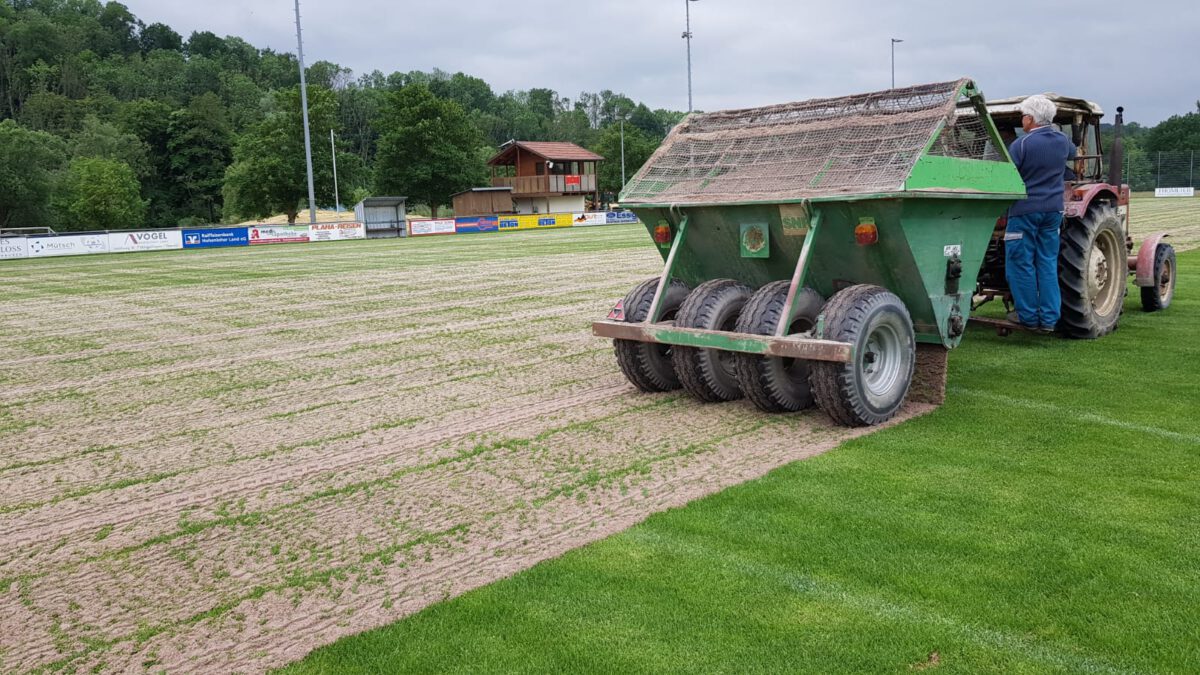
[148,240]
[589,219]
[475,224]
[536,221]
[554,220]
[1175,192]
[422,227]
[336,231]
[216,237]
[615,217]
[12,248]
[78,244]
[278,234]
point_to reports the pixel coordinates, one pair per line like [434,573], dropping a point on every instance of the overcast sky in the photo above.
[1142,55]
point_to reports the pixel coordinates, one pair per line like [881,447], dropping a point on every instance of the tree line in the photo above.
[108,122]
[1176,134]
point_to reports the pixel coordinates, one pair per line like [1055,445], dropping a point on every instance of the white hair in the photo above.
[1040,108]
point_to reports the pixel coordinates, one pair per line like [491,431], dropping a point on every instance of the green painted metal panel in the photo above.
[711,341]
[951,174]
[936,231]
[908,259]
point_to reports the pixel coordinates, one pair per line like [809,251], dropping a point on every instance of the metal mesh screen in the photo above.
[966,137]
[853,144]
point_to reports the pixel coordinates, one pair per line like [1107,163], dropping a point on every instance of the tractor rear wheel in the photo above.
[1158,297]
[646,364]
[1091,273]
[871,388]
[773,383]
[710,374]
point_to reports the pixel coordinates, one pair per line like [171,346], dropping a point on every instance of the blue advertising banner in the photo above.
[476,224]
[510,223]
[614,217]
[216,237]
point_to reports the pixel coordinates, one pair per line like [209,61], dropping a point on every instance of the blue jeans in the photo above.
[1031,266]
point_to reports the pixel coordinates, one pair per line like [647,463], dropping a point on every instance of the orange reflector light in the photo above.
[866,234]
[662,234]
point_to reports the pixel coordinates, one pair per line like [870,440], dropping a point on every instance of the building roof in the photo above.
[383,201]
[483,189]
[555,151]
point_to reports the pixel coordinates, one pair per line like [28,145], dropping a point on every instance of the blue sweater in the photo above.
[1041,156]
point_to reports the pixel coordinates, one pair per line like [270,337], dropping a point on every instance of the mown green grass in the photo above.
[1045,519]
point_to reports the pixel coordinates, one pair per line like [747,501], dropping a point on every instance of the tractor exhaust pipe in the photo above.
[1116,159]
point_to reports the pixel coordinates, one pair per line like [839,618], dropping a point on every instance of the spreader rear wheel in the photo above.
[777,384]
[710,374]
[646,364]
[1091,274]
[871,388]
[1158,296]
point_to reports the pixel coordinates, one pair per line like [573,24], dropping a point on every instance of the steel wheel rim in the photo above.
[1166,285]
[1103,272]
[882,360]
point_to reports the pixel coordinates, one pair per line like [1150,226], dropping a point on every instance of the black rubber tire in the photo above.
[773,383]
[863,315]
[710,374]
[991,274]
[1158,297]
[1080,317]
[648,365]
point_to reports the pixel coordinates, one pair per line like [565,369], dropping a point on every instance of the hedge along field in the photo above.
[275,447]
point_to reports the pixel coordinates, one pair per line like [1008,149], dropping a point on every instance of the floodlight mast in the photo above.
[337,201]
[894,41]
[312,198]
[687,35]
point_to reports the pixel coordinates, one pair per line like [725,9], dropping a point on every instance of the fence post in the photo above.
[1192,170]
[1158,178]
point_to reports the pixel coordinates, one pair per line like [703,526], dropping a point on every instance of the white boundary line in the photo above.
[1085,416]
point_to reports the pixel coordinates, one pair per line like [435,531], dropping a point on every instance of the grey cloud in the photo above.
[748,52]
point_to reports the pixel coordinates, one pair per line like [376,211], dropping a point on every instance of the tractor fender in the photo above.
[1080,200]
[1144,264]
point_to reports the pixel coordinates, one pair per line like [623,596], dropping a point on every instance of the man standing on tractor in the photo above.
[1031,238]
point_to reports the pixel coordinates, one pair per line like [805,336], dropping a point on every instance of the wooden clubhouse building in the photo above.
[539,176]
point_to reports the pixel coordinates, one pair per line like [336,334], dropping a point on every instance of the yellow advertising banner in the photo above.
[536,221]
[543,220]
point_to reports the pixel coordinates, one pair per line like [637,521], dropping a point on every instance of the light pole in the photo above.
[337,202]
[894,41]
[687,35]
[312,199]
[622,152]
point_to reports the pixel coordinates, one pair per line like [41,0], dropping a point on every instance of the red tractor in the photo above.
[1096,254]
